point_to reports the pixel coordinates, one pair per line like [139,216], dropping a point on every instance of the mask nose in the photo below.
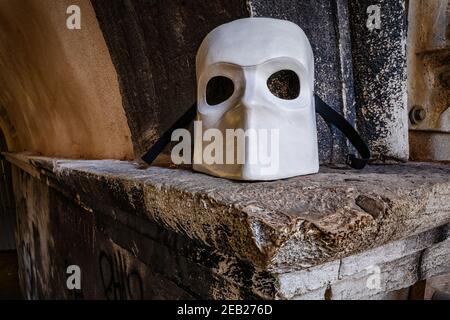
[242,114]
[256,114]
[249,100]
[250,103]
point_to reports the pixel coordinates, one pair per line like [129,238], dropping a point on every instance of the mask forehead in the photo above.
[252,41]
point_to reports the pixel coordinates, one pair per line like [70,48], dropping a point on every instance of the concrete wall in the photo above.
[59,91]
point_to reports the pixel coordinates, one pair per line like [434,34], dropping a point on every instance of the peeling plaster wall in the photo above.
[429,78]
[59,91]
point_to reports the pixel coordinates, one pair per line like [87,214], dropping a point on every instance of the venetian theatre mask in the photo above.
[255,116]
[255,80]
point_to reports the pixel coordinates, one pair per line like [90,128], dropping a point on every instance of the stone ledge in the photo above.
[399,264]
[280,226]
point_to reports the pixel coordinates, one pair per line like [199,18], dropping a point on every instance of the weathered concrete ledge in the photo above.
[280,226]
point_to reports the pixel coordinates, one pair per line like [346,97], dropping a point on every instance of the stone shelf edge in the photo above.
[282,226]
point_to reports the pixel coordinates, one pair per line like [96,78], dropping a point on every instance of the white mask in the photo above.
[255,78]
[249,53]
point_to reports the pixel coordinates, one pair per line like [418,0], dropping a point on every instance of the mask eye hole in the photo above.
[218,90]
[284,84]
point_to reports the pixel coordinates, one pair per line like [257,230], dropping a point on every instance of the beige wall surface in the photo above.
[59,93]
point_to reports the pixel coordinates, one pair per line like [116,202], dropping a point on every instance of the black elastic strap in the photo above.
[325,111]
[331,116]
[165,139]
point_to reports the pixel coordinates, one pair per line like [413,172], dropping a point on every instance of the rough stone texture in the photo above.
[294,223]
[121,255]
[436,260]
[439,285]
[203,237]
[399,264]
[379,61]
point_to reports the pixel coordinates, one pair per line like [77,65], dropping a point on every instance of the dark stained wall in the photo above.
[153,46]
[325,22]
[7,209]
[379,60]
